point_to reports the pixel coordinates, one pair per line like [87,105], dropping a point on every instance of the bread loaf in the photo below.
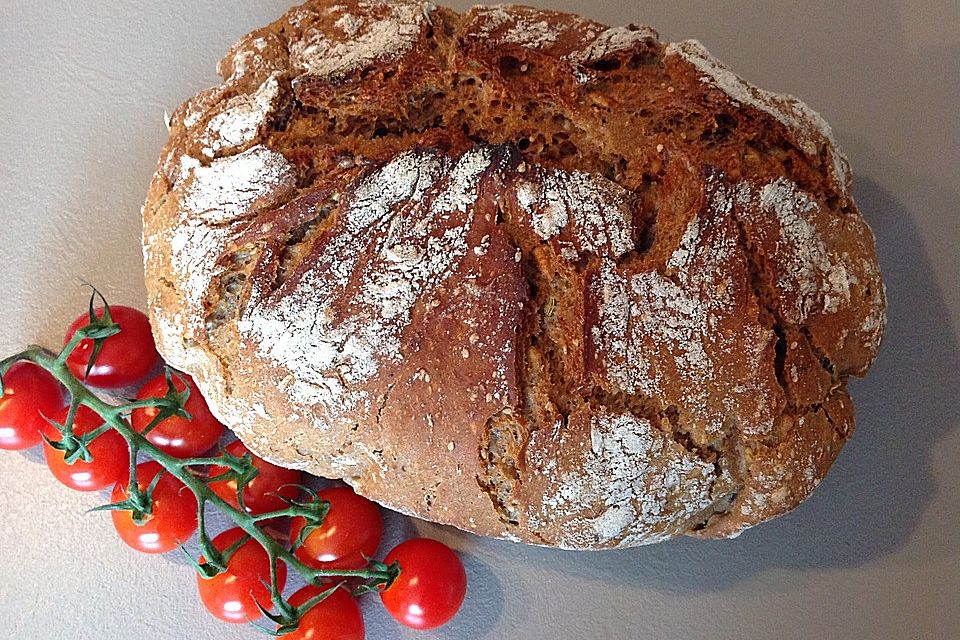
[515,271]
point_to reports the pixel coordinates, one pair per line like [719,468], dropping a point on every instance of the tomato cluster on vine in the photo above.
[157,513]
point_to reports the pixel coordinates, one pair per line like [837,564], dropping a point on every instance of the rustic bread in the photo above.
[515,271]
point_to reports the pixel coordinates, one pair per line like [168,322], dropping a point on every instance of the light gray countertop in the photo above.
[875,553]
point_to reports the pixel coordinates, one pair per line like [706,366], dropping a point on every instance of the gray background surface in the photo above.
[874,554]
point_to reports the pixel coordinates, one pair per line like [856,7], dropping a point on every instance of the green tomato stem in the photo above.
[180,469]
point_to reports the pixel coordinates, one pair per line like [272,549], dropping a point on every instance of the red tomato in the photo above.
[431,585]
[111,456]
[233,595]
[174,517]
[262,494]
[351,530]
[337,617]
[178,436]
[29,393]
[125,359]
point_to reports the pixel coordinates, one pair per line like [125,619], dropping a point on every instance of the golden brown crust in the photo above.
[515,271]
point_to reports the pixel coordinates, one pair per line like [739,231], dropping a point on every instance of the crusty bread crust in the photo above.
[515,271]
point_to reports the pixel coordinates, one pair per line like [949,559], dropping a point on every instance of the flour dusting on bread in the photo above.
[595,212]
[812,131]
[630,481]
[214,198]
[237,186]
[821,281]
[236,127]
[386,32]
[328,350]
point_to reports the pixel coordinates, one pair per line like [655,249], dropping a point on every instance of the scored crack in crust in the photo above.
[515,271]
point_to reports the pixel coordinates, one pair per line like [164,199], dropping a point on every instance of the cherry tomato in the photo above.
[125,359]
[111,456]
[178,436]
[337,617]
[29,393]
[351,530]
[174,516]
[262,494]
[233,595]
[431,585]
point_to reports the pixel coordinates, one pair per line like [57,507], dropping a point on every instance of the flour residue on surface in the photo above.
[819,280]
[343,320]
[810,129]
[240,122]
[592,211]
[237,186]
[360,40]
[613,40]
[639,484]
[677,333]
[810,277]
[213,199]
[583,40]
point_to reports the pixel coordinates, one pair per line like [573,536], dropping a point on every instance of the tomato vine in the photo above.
[74,444]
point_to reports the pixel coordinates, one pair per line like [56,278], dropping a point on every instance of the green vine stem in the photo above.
[374,574]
